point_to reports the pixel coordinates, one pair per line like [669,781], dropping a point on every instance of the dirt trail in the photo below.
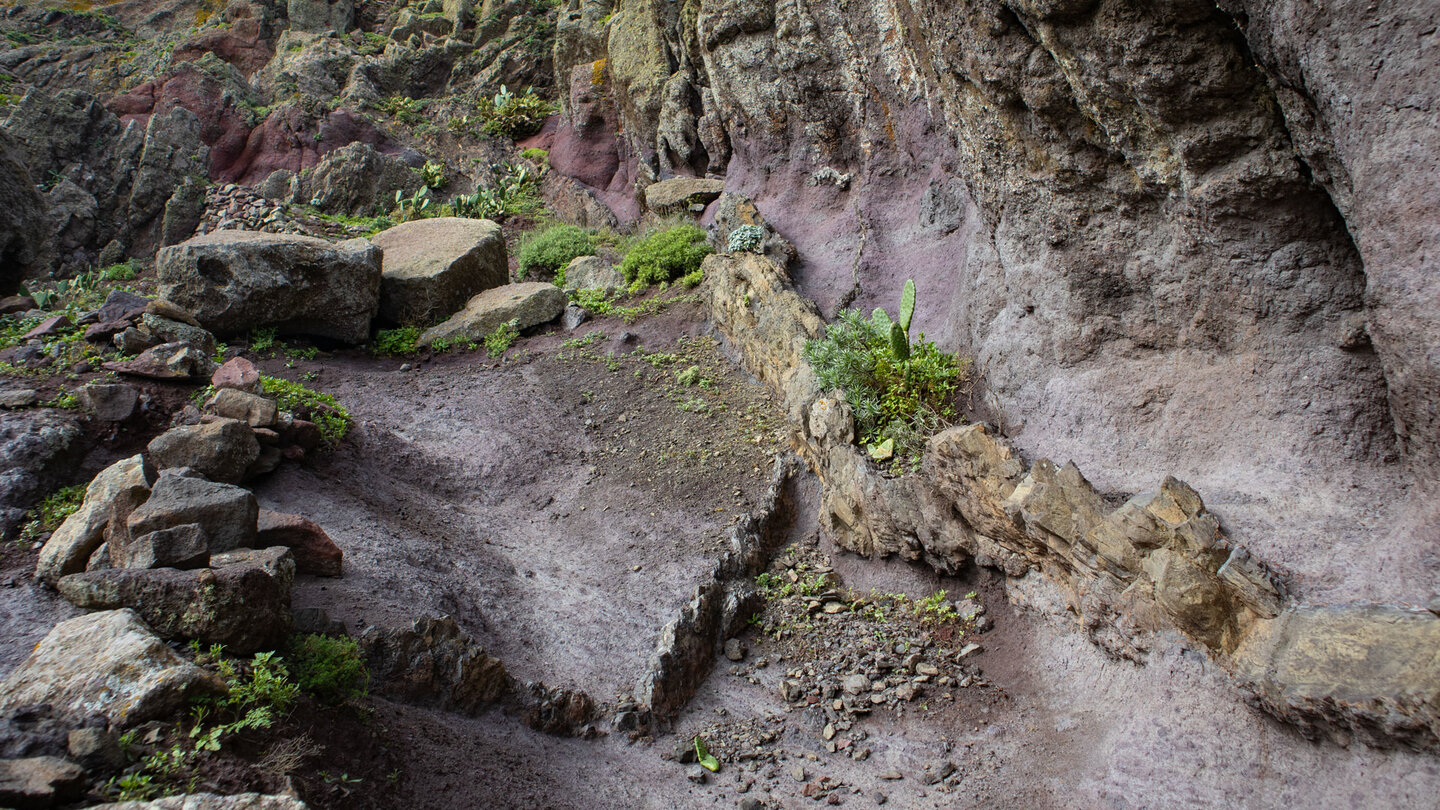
[563,505]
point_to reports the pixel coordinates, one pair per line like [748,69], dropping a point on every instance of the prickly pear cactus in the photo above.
[907,305]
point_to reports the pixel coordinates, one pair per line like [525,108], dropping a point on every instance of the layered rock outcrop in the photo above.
[1159,561]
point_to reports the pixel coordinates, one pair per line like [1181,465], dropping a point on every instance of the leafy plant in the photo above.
[331,669]
[899,391]
[704,757]
[665,256]
[322,409]
[433,174]
[125,271]
[746,238]
[551,250]
[502,338]
[536,155]
[511,115]
[51,512]
[416,206]
[263,339]
[397,341]
[404,109]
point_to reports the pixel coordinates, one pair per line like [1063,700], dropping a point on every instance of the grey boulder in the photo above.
[235,281]
[226,513]
[221,450]
[431,267]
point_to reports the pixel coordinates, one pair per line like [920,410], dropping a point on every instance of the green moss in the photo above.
[665,256]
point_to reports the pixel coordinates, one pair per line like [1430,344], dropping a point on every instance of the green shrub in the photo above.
[331,669]
[900,392]
[322,409]
[502,338]
[510,115]
[433,174]
[665,256]
[397,341]
[550,251]
[746,238]
[536,155]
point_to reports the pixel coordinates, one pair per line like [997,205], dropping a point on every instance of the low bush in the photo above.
[665,256]
[331,669]
[397,342]
[51,512]
[900,392]
[548,252]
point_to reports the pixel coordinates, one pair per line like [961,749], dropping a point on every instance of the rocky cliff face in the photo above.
[1137,218]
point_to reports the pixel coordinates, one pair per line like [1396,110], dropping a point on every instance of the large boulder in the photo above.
[243,606]
[677,194]
[317,16]
[529,304]
[431,267]
[235,281]
[226,513]
[108,663]
[221,450]
[356,179]
[593,273]
[70,547]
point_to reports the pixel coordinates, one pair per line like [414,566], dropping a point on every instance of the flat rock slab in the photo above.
[431,267]
[315,552]
[235,281]
[169,361]
[108,663]
[530,303]
[593,273]
[678,193]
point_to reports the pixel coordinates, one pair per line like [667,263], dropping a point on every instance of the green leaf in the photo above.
[702,755]
[907,305]
[881,318]
[899,342]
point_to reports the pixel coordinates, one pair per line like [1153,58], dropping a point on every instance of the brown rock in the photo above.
[237,373]
[252,409]
[315,553]
[431,267]
[49,327]
[40,782]
[677,194]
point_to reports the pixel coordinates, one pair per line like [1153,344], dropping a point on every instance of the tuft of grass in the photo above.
[548,252]
[51,512]
[665,256]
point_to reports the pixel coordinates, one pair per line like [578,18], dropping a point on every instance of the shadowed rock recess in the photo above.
[419,403]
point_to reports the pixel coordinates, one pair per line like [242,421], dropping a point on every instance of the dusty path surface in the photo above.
[563,505]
